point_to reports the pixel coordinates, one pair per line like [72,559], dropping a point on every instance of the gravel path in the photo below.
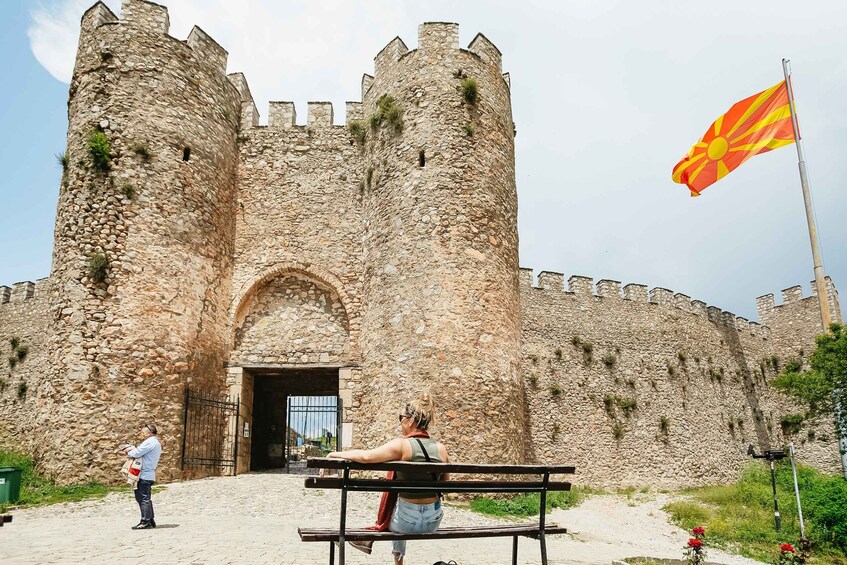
[254,518]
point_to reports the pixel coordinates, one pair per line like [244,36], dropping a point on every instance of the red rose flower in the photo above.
[787,548]
[698,531]
[695,543]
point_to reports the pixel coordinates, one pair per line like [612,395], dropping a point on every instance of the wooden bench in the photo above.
[5,518]
[525,484]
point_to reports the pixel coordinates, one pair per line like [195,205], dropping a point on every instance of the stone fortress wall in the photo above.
[654,388]
[391,257]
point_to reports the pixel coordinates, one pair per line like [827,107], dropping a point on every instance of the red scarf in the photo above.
[389,499]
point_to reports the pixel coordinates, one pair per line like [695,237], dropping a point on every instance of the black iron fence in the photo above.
[210,433]
[313,426]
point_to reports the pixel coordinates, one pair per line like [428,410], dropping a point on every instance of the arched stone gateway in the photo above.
[291,361]
[291,319]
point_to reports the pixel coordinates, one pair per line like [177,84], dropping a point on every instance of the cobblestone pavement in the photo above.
[254,518]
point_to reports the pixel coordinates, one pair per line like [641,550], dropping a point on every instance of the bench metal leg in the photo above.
[331,553]
[514,550]
[543,541]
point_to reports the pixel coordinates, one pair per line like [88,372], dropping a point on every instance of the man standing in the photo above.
[149,452]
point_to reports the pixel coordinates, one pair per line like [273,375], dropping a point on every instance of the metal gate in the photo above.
[210,433]
[313,427]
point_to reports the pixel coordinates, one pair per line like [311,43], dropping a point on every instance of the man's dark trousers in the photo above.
[142,496]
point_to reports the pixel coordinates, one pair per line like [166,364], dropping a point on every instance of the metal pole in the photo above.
[796,491]
[775,505]
[820,283]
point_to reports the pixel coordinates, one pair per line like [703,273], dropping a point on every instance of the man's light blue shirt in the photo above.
[149,452]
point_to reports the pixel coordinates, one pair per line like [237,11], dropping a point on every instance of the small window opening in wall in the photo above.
[186,154]
[421,159]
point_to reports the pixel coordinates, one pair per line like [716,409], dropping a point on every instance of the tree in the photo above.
[823,388]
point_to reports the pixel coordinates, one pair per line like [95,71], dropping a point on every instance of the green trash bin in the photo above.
[10,485]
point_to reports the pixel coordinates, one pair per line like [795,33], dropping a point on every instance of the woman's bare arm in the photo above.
[391,451]
[442,454]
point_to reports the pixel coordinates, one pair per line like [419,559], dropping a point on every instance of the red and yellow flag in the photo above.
[754,125]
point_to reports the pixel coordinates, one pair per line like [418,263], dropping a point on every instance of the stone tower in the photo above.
[159,219]
[441,244]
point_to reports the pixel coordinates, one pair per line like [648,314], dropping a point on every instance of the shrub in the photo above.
[128,190]
[22,388]
[617,430]
[791,424]
[681,356]
[626,404]
[14,342]
[575,341]
[469,129]
[609,403]
[671,370]
[388,112]
[555,389]
[141,149]
[357,130]
[98,265]
[793,366]
[609,360]
[99,150]
[13,360]
[470,91]
[533,380]
[775,363]
[64,162]
[21,352]
[558,353]
[664,424]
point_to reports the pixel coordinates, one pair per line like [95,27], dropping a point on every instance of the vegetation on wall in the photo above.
[470,91]
[99,150]
[98,264]
[388,113]
[357,130]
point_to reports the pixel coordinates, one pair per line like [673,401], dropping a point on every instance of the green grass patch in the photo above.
[527,504]
[37,490]
[739,516]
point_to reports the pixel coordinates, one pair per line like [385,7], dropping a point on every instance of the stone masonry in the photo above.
[379,257]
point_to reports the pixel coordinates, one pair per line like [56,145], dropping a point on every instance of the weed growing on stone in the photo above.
[99,150]
[609,360]
[469,129]
[555,389]
[533,380]
[98,264]
[13,361]
[791,424]
[22,388]
[617,430]
[3,384]
[470,91]
[21,352]
[575,341]
[558,353]
[389,113]
[626,404]
[141,149]
[681,356]
[128,190]
[357,131]
[664,424]
[14,342]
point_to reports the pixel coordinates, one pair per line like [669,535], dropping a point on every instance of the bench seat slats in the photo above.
[408,466]
[527,530]
[382,485]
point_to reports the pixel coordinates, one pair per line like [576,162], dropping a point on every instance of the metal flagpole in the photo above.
[816,252]
[807,200]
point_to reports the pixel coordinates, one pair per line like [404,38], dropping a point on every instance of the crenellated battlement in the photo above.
[437,42]
[791,296]
[283,114]
[582,287]
[142,16]
[24,290]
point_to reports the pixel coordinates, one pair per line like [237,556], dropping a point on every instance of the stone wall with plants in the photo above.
[639,388]
[24,310]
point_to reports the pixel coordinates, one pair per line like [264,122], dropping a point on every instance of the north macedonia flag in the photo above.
[754,125]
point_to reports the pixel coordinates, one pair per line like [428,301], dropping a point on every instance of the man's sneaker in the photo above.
[364,546]
[153,523]
[143,526]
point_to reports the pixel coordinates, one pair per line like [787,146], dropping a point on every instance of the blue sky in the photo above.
[607,96]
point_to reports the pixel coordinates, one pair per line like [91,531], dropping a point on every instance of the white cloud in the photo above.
[54,34]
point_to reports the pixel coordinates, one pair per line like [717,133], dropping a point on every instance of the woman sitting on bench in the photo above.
[413,512]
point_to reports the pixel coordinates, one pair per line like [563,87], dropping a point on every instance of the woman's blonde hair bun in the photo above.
[422,410]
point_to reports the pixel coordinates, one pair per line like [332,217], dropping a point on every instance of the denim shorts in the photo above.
[411,518]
